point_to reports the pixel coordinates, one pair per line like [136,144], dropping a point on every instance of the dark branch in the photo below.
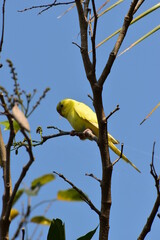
[3,23]
[47,6]
[23,172]
[150,219]
[93,37]
[118,44]
[93,176]
[83,195]
[111,113]
[117,160]
[22,221]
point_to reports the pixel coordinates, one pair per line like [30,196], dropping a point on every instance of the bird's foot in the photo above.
[86,134]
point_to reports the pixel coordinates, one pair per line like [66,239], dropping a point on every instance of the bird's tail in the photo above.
[112,139]
[118,152]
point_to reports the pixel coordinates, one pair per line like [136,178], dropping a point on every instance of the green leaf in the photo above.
[41,220]
[56,230]
[42,180]
[7,125]
[18,195]
[14,213]
[89,235]
[69,195]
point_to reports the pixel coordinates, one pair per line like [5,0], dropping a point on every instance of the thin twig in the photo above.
[93,37]
[117,160]
[153,171]
[82,135]
[46,6]
[23,233]
[3,24]
[90,97]
[83,195]
[23,220]
[111,113]
[77,45]
[93,176]
[147,227]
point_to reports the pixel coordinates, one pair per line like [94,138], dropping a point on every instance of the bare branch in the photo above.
[118,44]
[93,37]
[117,160]
[153,171]
[23,173]
[150,219]
[47,6]
[111,113]
[3,22]
[83,195]
[93,176]
[22,221]
[77,45]
[84,38]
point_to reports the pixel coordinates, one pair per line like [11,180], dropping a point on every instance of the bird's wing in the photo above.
[86,113]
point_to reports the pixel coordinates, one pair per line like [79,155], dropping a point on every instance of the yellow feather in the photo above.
[81,117]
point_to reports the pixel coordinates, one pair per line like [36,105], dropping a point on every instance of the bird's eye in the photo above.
[61,105]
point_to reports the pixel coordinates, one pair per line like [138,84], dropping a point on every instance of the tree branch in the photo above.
[83,195]
[3,23]
[23,220]
[47,6]
[93,37]
[122,34]
[147,227]
[23,173]
[84,39]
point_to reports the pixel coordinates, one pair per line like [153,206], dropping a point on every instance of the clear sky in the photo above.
[41,49]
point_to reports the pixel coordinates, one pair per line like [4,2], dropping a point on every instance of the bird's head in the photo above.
[64,106]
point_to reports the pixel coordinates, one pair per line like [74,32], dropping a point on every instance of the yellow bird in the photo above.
[81,117]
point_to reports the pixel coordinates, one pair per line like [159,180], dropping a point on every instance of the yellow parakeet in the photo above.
[81,117]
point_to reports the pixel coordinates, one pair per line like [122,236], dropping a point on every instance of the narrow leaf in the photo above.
[150,113]
[108,9]
[142,15]
[89,235]
[70,8]
[41,220]
[14,213]
[56,230]
[42,180]
[141,39]
[69,195]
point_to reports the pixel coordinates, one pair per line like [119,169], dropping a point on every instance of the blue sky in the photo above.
[41,49]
